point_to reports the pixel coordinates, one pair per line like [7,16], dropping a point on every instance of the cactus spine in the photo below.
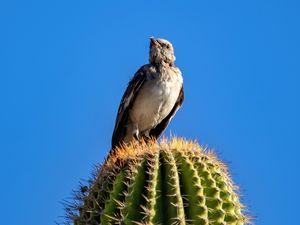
[174,182]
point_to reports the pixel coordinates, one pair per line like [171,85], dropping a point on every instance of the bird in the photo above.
[152,98]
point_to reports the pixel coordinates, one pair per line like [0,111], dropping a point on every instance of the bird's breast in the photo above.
[154,102]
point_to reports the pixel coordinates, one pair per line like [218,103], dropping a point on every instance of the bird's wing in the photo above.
[126,103]
[159,129]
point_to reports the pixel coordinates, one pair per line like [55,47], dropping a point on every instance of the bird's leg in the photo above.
[146,134]
[135,132]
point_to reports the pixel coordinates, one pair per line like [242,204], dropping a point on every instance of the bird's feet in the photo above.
[136,134]
[146,135]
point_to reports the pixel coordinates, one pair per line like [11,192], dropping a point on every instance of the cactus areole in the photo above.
[174,182]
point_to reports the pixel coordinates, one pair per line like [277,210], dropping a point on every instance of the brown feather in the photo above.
[126,103]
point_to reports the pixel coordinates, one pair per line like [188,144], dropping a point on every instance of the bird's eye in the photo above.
[168,46]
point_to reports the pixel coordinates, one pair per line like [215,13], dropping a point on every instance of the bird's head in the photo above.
[161,52]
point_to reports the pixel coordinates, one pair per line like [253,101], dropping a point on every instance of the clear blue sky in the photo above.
[65,64]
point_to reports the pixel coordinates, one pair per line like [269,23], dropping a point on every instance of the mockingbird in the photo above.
[152,97]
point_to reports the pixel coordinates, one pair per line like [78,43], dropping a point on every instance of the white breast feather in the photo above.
[155,101]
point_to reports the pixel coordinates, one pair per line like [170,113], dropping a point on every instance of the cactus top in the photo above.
[175,182]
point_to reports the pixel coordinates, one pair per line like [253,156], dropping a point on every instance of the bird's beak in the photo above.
[153,41]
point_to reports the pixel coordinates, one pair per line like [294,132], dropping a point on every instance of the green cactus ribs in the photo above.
[174,182]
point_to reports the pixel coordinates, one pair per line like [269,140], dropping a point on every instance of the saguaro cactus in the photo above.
[174,182]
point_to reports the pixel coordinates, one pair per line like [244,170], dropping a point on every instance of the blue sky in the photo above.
[65,64]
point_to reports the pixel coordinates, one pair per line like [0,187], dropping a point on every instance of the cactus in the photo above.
[175,182]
